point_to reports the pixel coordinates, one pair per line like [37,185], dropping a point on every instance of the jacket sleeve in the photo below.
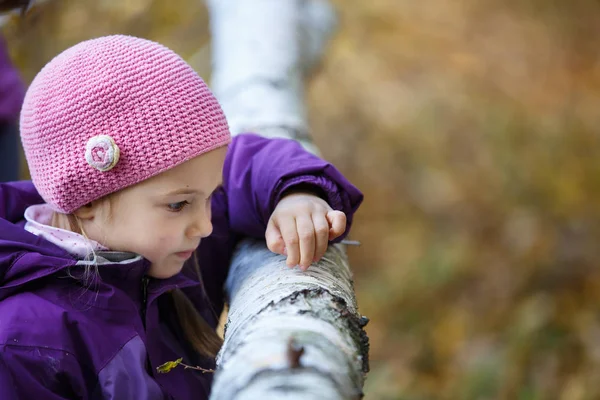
[36,373]
[258,171]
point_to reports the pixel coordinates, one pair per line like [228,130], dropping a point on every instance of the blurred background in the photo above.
[472,128]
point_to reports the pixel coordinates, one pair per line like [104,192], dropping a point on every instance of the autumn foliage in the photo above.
[472,127]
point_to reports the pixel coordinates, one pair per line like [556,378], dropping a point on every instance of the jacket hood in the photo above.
[24,257]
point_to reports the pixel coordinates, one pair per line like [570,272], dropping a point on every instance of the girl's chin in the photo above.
[165,271]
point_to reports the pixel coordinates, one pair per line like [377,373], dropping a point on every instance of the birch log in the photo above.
[289,335]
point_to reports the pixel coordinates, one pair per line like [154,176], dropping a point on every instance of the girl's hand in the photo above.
[301,227]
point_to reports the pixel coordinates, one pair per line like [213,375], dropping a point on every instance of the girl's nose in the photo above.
[201,227]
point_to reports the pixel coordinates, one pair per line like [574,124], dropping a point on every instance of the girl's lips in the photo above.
[185,254]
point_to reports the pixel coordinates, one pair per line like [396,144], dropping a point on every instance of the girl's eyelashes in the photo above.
[179,206]
[176,207]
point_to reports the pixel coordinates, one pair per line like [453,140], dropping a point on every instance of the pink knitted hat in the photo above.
[111,112]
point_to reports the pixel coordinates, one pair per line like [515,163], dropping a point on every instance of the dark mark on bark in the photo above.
[355,323]
[294,353]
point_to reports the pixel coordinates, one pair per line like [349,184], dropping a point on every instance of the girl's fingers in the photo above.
[289,233]
[321,226]
[306,235]
[273,237]
[337,223]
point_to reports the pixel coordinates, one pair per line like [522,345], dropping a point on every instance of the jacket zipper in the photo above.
[145,281]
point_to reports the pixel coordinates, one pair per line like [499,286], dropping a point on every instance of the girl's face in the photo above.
[162,218]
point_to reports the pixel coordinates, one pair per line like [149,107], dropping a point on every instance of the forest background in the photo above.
[472,128]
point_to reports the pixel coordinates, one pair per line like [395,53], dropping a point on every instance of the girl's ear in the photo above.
[87,212]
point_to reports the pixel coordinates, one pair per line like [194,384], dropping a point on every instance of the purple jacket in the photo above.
[12,89]
[60,340]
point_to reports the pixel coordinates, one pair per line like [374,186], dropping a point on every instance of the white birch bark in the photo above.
[289,335]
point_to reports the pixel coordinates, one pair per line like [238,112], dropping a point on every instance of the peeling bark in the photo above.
[290,334]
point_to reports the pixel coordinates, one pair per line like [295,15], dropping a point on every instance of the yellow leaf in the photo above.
[168,366]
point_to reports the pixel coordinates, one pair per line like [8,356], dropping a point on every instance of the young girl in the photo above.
[112,262]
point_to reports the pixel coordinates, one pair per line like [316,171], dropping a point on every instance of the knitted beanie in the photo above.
[110,112]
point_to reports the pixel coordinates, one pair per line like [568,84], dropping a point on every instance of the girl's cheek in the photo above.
[163,243]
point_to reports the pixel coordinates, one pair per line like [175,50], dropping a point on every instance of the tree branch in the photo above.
[289,334]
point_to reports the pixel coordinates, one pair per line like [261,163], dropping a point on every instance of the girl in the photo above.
[135,177]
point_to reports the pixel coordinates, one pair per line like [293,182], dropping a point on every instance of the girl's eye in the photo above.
[176,207]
